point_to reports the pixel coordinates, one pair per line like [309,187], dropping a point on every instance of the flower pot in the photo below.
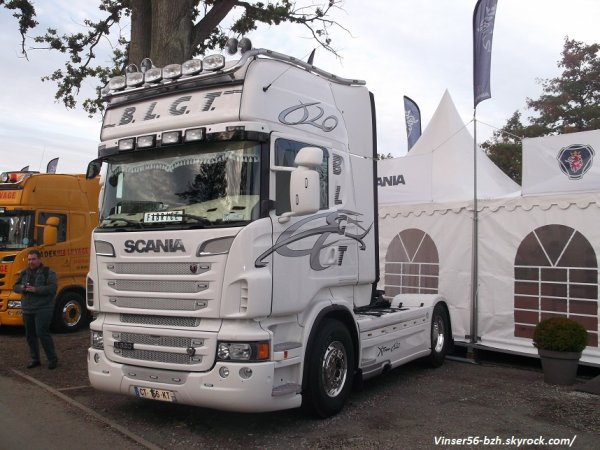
[559,367]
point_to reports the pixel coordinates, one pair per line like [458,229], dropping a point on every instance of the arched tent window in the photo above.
[556,274]
[411,264]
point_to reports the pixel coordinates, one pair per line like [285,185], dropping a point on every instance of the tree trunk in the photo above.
[141,30]
[171,40]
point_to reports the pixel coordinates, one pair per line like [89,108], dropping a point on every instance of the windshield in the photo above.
[16,230]
[212,184]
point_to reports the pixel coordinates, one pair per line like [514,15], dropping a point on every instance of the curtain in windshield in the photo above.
[218,182]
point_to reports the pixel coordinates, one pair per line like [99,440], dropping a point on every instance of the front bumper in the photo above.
[205,389]
[10,316]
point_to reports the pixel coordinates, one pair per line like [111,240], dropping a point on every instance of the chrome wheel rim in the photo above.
[71,313]
[437,334]
[334,369]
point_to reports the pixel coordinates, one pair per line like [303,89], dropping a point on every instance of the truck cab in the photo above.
[235,261]
[54,213]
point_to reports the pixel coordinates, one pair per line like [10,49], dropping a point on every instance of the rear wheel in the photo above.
[440,336]
[330,370]
[70,313]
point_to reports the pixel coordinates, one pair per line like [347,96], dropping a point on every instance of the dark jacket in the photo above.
[44,280]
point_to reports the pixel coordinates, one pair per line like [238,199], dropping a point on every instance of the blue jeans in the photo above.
[37,329]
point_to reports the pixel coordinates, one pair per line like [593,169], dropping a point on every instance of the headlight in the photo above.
[14,304]
[104,248]
[97,340]
[243,351]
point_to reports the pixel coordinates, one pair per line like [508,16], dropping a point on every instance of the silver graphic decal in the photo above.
[311,112]
[336,222]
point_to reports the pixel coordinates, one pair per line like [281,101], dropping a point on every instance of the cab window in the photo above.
[62,226]
[285,153]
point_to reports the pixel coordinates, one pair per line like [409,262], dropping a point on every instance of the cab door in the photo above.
[311,255]
[55,256]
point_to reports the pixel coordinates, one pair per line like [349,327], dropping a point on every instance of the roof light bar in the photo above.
[13,177]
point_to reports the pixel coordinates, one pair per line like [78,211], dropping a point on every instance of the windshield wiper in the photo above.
[199,219]
[127,221]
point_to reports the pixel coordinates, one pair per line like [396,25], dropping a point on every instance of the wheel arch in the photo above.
[442,302]
[343,315]
[71,288]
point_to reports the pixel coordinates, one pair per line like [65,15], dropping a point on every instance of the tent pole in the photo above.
[474,255]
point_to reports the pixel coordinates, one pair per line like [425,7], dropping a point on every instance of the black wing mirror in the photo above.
[93,169]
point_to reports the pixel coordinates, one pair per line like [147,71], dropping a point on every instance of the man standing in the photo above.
[37,283]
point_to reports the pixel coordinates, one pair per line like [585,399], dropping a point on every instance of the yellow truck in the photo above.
[54,213]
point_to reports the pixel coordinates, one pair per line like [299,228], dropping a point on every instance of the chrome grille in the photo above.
[160,320]
[160,341]
[164,357]
[158,286]
[165,304]
[158,268]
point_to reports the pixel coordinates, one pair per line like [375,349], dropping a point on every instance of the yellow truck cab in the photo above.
[54,213]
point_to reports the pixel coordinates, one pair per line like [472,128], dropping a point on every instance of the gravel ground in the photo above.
[409,407]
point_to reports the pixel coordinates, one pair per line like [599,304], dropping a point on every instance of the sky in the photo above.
[418,48]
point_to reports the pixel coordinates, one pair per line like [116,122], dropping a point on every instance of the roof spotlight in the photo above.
[245,45]
[231,46]
[131,68]
[146,65]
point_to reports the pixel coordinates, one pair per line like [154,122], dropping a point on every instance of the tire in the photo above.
[440,336]
[70,313]
[329,370]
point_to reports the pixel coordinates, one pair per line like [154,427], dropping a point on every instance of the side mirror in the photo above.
[51,231]
[93,169]
[304,182]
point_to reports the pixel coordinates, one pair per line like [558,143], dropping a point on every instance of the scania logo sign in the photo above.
[393,180]
[575,160]
[154,245]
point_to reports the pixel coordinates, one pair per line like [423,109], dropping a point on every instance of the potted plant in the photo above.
[559,341]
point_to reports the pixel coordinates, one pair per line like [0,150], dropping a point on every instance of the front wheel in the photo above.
[440,336]
[330,370]
[70,313]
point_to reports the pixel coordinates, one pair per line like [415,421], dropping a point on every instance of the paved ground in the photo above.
[33,418]
[410,407]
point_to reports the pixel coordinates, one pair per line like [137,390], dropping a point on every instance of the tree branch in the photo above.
[25,17]
[205,27]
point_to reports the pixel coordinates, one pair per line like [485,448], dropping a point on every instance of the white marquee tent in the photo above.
[539,250]
[439,168]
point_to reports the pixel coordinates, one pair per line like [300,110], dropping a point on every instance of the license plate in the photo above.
[124,345]
[155,394]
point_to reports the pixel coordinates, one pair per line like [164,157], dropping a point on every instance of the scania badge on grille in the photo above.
[191,351]
[193,268]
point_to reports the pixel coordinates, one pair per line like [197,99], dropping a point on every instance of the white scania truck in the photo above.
[235,263]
